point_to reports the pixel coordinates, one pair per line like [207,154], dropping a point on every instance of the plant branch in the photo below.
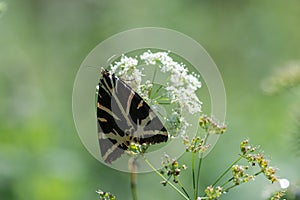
[199,167]
[193,173]
[227,170]
[183,189]
[167,181]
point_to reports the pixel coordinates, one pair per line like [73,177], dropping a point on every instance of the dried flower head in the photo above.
[171,169]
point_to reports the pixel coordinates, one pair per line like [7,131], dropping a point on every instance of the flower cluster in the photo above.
[278,195]
[213,193]
[176,123]
[179,91]
[195,145]
[105,195]
[127,71]
[240,175]
[211,126]
[135,148]
[171,168]
[182,85]
[258,159]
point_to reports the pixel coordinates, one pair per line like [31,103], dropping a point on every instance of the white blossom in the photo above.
[181,87]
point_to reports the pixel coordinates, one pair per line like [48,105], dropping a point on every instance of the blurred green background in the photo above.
[42,44]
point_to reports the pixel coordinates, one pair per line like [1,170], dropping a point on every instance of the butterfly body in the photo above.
[124,118]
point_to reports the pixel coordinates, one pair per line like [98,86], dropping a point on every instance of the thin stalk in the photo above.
[198,174]
[156,91]
[227,170]
[168,182]
[183,189]
[152,82]
[230,187]
[193,174]
[229,180]
[199,167]
[132,167]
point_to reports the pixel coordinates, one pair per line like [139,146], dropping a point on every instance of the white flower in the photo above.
[127,71]
[181,86]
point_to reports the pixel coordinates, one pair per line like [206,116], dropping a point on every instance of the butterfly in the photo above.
[124,118]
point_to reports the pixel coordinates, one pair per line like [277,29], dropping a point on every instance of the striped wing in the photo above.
[123,118]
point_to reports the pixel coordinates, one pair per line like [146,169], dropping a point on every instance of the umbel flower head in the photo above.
[248,152]
[179,92]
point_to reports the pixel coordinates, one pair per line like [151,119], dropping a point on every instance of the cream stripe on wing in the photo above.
[129,102]
[108,111]
[113,92]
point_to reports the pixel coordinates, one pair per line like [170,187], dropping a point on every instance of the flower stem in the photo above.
[199,167]
[167,181]
[153,78]
[193,173]
[227,170]
[230,187]
[198,175]
[183,189]
[132,167]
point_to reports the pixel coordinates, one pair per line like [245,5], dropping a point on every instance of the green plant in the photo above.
[180,93]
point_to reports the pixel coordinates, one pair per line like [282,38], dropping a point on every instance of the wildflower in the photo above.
[278,195]
[270,174]
[213,193]
[239,175]
[249,154]
[171,168]
[180,90]
[246,148]
[211,126]
[105,195]
[195,145]
[127,71]
[135,149]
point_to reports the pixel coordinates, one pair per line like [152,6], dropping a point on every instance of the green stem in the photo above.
[152,82]
[198,175]
[230,187]
[168,182]
[228,181]
[227,170]
[199,167]
[193,173]
[256,174]
[183,189]
[132,167]
[156,91]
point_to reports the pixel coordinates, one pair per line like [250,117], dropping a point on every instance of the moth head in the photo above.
[104,72]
